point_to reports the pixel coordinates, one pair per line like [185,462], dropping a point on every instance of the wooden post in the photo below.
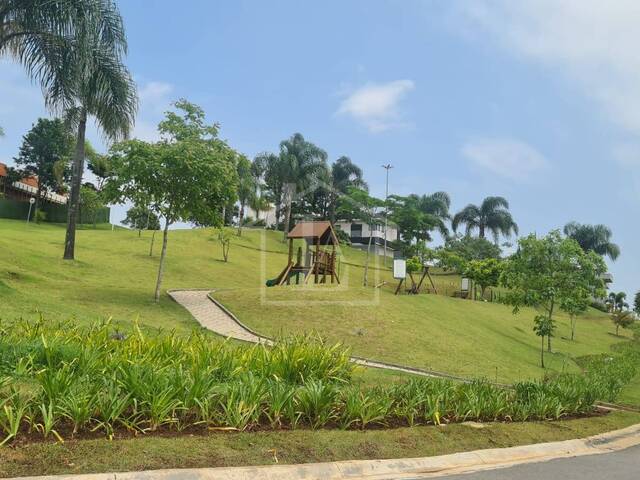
[315,279]
[399,285]
[290,258]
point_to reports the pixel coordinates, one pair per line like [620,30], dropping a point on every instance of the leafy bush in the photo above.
[58,379]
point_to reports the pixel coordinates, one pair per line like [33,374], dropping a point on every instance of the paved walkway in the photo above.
[214,317]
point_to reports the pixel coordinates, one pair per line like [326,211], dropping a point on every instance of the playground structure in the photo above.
[414,288]
[319,259]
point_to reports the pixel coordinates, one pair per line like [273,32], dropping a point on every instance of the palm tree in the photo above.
[246,187]
[344,175]
[258,202]
[300,161]
[418,215]
[617,301]
[596,238]
[73,48]
[492,215]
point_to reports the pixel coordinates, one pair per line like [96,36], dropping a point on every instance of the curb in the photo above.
[413,468]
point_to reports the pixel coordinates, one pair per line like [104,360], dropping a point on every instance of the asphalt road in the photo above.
[622,465]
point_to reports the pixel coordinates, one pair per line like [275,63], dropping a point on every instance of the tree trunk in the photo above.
[76,181]
[550,322]
[366,261]
[481,231]
[617,330]
[162,256]
[153,238]
[288,198]
[573,327]
[542,353]
[37,204]
[240,218]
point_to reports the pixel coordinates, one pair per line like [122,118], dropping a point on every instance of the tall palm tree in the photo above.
[74,49]
[418,215]
[344,175]
[492,215]
[596,238]
[617,301]
[301,160]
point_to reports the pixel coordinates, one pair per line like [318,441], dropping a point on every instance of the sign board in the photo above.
[399,268]
[465,285]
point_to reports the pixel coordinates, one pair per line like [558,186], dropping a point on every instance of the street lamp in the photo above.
[31,202]
[387,167]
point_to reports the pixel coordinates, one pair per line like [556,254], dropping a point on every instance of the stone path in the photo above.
[216,318]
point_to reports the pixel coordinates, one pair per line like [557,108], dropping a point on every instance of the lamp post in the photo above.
[387,167]
[31,202]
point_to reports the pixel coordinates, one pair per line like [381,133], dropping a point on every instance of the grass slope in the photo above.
[114,276]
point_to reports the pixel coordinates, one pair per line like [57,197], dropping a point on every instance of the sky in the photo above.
[536,100]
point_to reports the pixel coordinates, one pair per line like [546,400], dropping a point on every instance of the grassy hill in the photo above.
[114,277]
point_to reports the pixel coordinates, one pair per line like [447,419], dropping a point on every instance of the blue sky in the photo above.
[538,101]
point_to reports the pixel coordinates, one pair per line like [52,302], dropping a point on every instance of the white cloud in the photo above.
[593,43]
[155,99]
[376,106]
[506,157]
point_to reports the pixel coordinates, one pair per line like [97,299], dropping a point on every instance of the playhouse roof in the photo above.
[311,231]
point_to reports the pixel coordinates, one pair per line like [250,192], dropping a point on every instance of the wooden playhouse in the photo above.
[317,261]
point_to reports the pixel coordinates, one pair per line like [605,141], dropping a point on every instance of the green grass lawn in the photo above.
[114,276]
[300,446]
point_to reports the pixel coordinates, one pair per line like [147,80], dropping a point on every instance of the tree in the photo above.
[188,176]
[636,303]
[273,167]
[417,216]
[90,203]
[259,202]
[617,301]
[622,319]
[596,238]
[485,273]
[45,150]
[300,161]
[574,306]
[491,216]
[100,87]
[472,248]
[74,49]
[13,175]
[344,175]
[98,164]
[141,218]
[359,205]
[246,187]
[548,272]
[543,326]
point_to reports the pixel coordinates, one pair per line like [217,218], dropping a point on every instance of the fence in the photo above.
[55,213]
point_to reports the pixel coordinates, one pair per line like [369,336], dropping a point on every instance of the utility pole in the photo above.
[387,167]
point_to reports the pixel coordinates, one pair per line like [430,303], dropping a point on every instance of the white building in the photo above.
[359,232]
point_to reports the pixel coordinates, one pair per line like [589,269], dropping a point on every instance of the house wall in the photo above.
[377,231]
[18,210]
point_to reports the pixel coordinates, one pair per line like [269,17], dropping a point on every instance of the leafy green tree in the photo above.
[622,319]
[359,205]
[575,306]
[636,303]
[485,273]
[472,248]
[98,164]
[418,216]
[13,175]
[543,326]
[273,168]
[47,145]
[188,176]
[247,186]
[492,216]
[141,218]
[90,203]
[259,202]
[596,238]
[548,272]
